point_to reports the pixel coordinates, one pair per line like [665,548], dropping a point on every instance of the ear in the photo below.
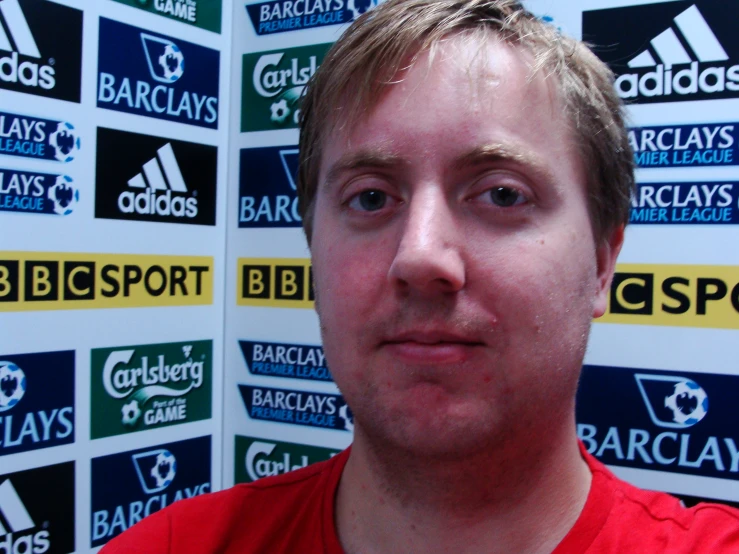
[606,254]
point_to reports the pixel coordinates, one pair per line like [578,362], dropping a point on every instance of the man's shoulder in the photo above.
[659,520]
[247,513]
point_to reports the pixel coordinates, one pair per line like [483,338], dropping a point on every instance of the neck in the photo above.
[513,497]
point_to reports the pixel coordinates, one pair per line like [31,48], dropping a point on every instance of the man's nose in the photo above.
[429,258]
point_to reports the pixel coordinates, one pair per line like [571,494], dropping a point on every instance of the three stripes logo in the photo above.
[40,48]
[155,197]
[671,51]
[13,533]
[149,178]
[31,520]
[29,73]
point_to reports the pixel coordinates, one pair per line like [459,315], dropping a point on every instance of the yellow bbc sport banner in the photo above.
[69,281]
[675,295]
[275,282]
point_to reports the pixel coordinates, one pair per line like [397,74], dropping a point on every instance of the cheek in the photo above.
[543,290]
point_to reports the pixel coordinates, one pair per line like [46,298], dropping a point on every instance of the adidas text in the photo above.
[665,82]
[38,543]
[151,202]
[27,73]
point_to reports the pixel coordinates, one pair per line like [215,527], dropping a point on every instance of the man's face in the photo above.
[455,269]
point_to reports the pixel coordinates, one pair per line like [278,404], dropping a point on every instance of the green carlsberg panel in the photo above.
[205,14]
[256,458]
[135,388]
[272,85]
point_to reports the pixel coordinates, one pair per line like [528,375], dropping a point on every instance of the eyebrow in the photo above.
[383,158]
[380,158]
[496,153]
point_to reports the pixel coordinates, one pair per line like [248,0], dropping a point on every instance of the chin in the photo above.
[440,434]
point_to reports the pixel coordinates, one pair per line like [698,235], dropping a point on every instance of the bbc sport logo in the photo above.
[159,77]
[691,50]
[41,48]
[666,421]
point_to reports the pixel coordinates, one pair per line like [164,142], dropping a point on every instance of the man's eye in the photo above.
[506,197]
[369,200]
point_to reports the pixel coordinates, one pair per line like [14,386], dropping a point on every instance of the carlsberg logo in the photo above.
[270,81]
[119,381]
[273,86]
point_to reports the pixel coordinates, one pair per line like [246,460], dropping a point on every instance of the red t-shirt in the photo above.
[294,512]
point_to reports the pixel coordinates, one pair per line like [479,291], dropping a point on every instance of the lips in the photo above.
[432,347]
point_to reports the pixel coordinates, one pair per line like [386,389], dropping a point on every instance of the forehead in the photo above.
[461,94]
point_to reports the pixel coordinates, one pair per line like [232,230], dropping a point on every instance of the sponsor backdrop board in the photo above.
[156,291]
[114,139]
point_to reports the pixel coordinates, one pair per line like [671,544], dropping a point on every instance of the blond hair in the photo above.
[350,81]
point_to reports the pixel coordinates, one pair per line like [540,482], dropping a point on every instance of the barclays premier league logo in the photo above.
[702,145]
[168,66]
[36,401]
[659,421]
[156,76]
[688,402]
[37,193]
[686,203]
[312,409]
[290,15]
[41,139]
[12,385]
[156,469]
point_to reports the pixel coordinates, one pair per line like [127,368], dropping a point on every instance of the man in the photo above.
[465,181]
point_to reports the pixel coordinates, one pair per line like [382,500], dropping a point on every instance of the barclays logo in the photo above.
[658,421]
[267,187]
[150,80]
[129,486]
[36,401]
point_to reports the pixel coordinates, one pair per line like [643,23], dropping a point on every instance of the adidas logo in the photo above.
[14,520]
[689,41]
[19,41]
[161,176]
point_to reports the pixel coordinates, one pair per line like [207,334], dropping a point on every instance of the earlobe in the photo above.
[606,254]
